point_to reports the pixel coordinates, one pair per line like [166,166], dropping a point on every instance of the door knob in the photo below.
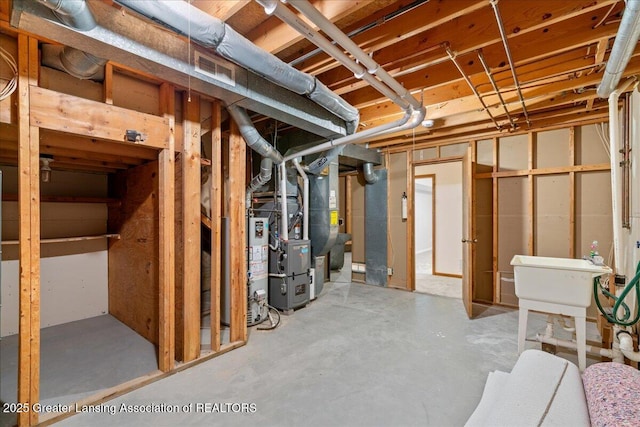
[469,241]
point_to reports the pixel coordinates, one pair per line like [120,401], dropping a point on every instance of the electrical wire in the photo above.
[273,325]
[12,84]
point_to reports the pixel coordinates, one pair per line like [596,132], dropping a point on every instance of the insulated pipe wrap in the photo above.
[251,135]
[623,48]
[228,43]
[189,21]
[238,49]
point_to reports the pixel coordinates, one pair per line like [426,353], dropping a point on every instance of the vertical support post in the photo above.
[497,288]
[531,196]
[572,194]
[29,235]
[166,196]
[107,85]
[191,228]
[411,261]
[237,235]
[216,222]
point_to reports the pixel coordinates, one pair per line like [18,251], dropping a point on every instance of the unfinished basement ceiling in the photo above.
[451,54]
[558,49]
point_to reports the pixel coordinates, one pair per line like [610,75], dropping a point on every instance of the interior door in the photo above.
[468,235]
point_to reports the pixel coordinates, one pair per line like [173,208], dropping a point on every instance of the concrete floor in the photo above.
[358,355]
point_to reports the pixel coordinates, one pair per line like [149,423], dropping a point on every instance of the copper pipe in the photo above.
[494,4]
[452,56]
[495,87]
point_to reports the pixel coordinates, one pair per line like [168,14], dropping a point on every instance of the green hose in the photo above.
[619,301]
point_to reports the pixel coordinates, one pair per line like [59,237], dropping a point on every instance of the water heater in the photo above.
[258,256]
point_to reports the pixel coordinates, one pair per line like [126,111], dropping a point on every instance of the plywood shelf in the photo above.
[69,239]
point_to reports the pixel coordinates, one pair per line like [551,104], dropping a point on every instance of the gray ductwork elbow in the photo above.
[251,135]
[74,13]
[266,165]
[369,174]
[81,64]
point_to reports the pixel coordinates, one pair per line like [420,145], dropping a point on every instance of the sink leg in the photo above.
[523,314]
[581,341]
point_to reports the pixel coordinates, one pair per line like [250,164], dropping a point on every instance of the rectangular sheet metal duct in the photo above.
[169,57]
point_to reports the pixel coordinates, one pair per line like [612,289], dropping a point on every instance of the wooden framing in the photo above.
[95,119]
[572,194]
[411,261]
[166,274]
[191,228]
[237,235]
[29,235]
[531,164]
[497,286]
[216,224]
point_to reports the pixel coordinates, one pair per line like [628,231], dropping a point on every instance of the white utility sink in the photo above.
[557,286]
[563,281]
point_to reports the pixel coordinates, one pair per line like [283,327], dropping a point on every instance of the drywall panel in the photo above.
[133,260]
[58,220]
[513,152]
[137,95]
[590,146]
[397,175]
[425,154]
[448,229]
[63,183]
[454,150]
[593,213]
[423,218]
[513,236]
[484,152]
[552,201]
[64,83]
[594,217]
[552,148]
[73,287]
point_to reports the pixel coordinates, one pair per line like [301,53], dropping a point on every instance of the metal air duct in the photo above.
[369,174]
[75,62]
[623,47]
[74,13]
[211,32]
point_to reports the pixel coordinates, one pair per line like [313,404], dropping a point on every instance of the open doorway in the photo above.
[437,207]
[424,199]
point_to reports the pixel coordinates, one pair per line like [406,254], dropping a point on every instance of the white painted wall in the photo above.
[73,287]
[74,275]
[423,212]
[448,230]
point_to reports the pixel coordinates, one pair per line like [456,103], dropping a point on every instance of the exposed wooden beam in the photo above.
[221,9]
[273,35]
[95,119]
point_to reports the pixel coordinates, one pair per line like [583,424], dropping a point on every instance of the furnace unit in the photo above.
[289,275]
